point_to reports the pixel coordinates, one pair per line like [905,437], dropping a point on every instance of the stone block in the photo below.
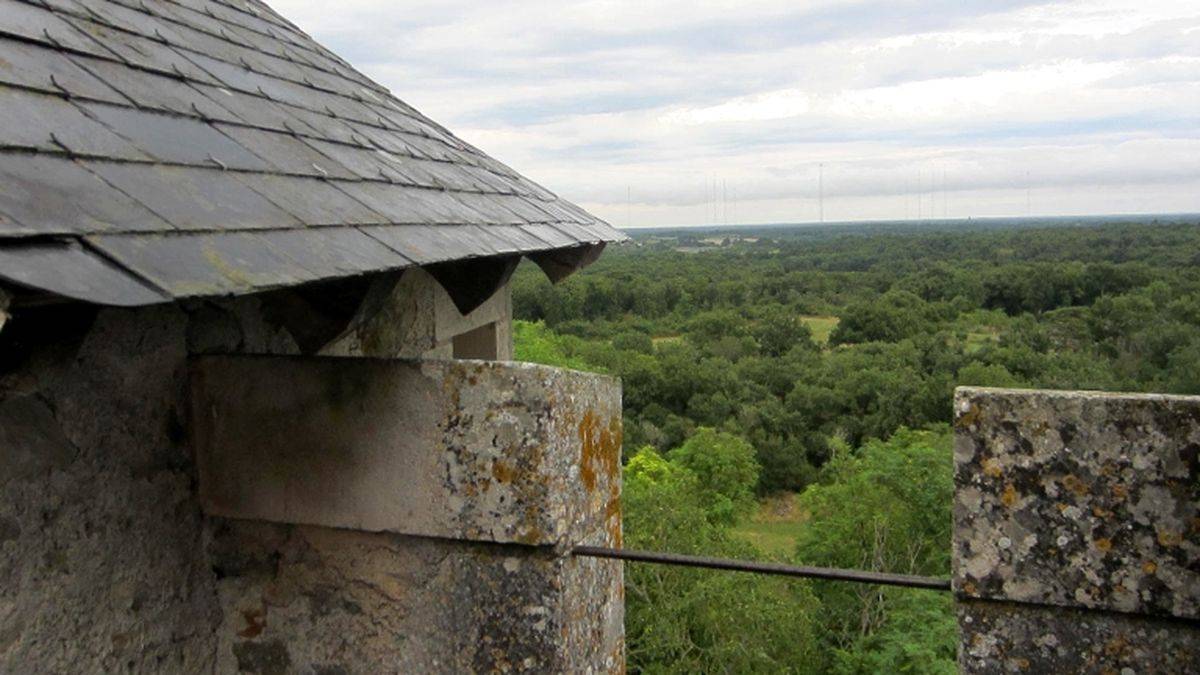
[31,441]
[1078,499]
[1000,637]
[318,600]
[483,451]
[412,316]
[430,504]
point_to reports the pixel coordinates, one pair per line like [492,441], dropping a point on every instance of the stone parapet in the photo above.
[312,599]
[482,451]
[1000,637]
[380,515]
[1076,530]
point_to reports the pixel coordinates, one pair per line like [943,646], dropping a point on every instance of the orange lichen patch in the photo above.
[587,438]
[1103,544]
[991,468]
[600,449]
[1072,483]
[256,621]
[612,519]
[1149,567]
[1023,664]
[503,472]
[1116,646]
[969,588]
[1101,513]
[1120,491]
[1168,538]
[968,418]
[1009,497]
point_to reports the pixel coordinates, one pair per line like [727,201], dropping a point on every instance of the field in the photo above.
[821,327]
[774,526]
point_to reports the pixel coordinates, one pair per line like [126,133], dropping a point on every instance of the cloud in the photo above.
[638,109]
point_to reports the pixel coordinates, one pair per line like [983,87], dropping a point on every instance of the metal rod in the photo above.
[835,574]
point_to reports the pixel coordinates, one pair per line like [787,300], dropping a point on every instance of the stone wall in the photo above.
[1077,531]
[521,460]
[101,538]
[107,562]
[414,317]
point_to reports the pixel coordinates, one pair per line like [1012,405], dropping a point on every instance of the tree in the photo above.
[1184,369]
[725,469]
[987,375]
[779,330]
[918,634]
[685,620]
[890,318]
[885,507]
[633,342]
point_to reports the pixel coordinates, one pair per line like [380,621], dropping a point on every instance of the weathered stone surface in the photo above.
[416,318]
[337,601]
[107,563]
[1008,638]
[501,452]
[1076,532]
[5,300]
[1078,499]
[101,538]
[31,441]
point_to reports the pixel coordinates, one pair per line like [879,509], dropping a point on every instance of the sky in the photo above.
[678,112]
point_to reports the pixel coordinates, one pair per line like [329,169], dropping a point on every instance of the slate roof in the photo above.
[158,149]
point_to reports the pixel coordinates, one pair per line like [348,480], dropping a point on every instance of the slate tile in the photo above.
[312,201]
[30,119]
[36,23]
[43,67]
[69,269]
[55,195]
[195,198]
[174,139]
[285,152]
[150,90]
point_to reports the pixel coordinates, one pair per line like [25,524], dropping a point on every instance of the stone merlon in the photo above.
[1076,530]
[474,450]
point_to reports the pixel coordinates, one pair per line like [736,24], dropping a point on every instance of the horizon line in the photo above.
[869,221]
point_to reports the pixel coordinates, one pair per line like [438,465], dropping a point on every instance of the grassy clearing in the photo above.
[774,527]
[821,327]
[977,339]
[775,539]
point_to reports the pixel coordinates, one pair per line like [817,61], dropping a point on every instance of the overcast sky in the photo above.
[687,112]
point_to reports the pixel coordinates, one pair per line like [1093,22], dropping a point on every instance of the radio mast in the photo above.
[821,190]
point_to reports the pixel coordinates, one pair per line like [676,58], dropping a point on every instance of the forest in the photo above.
[787,396]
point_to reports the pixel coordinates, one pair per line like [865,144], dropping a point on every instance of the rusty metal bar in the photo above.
[830,573]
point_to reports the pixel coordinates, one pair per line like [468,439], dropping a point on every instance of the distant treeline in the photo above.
[720,338]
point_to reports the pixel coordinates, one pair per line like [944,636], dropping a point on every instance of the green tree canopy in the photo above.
[725,469]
